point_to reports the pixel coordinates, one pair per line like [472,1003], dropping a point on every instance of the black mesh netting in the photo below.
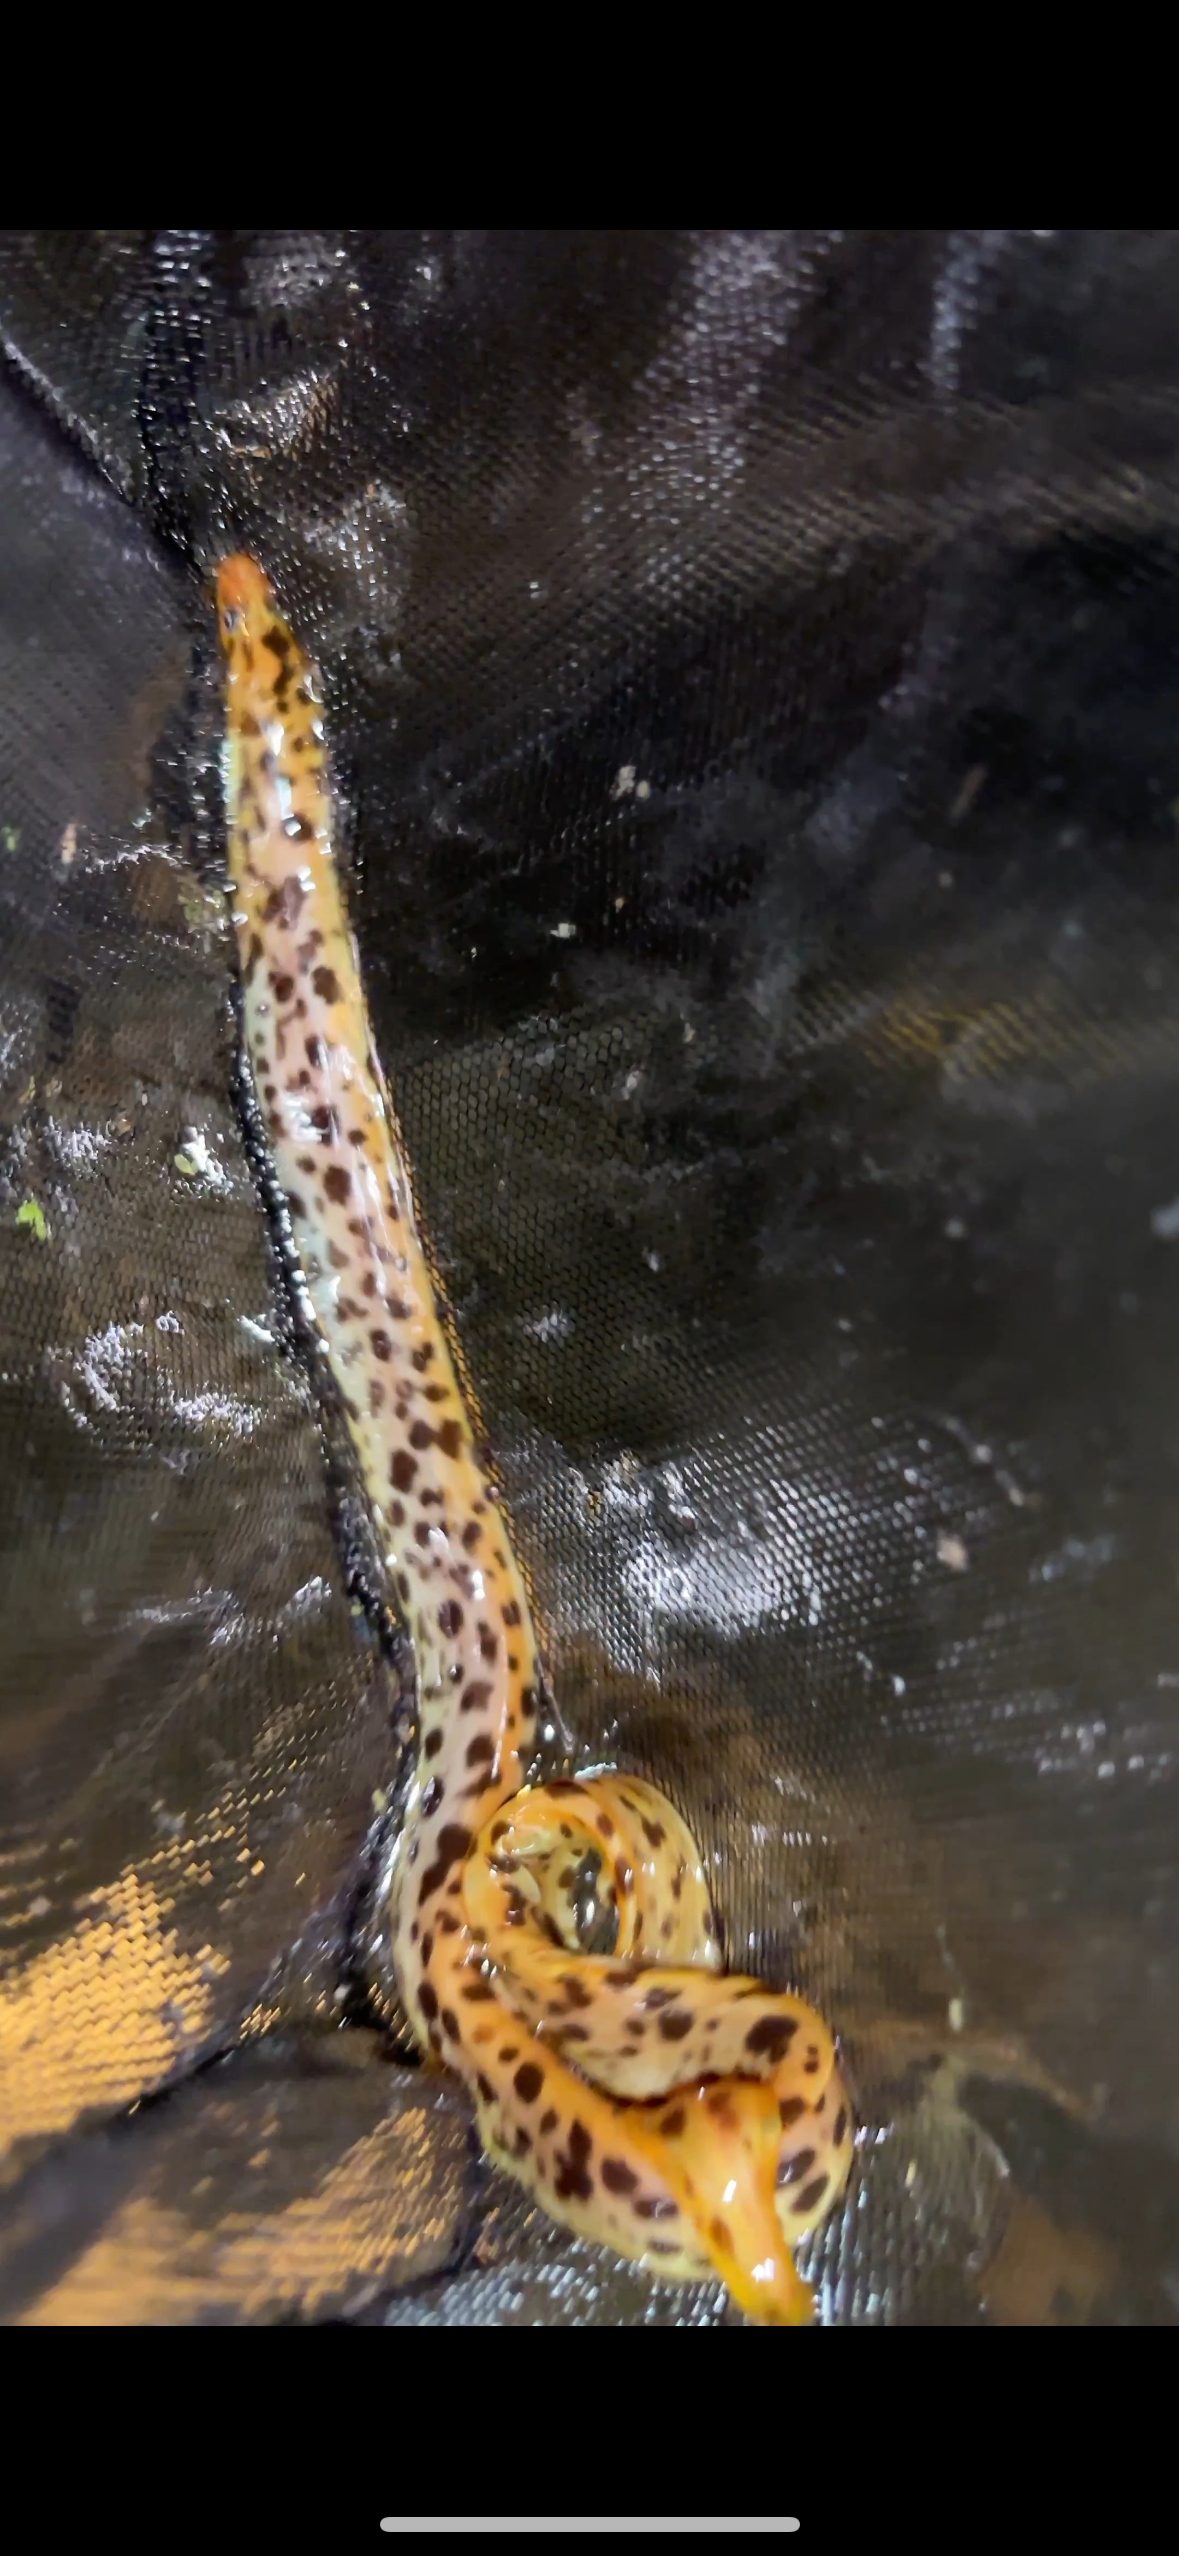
[753,674]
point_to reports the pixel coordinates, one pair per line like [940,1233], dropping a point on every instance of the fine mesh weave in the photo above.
[750,670]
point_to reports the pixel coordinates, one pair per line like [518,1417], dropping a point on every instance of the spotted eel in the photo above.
[692,2120]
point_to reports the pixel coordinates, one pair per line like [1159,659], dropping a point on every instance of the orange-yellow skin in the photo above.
[692,2120]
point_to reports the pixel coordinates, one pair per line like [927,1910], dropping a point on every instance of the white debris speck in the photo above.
[196,1161]
[69,846]
[653,1261]
[1165,1222]
[624,781]
[554,1325]
[965,798]
[954,1228]
[39,1907]
[642,789]
[563,932]
[952,1551]
[956,2014]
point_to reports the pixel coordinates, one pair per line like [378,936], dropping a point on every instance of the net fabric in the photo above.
[748,669]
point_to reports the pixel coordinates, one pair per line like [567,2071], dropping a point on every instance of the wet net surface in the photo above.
[750,667]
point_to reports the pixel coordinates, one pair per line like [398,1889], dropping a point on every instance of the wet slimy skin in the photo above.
[691,2119]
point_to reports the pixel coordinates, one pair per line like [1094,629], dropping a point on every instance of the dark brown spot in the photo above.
[673,2122]
[618,2177]
[655,2210]
[432,1743]
[295,1203]
[840,2129]
[548,2121]
[337,1183]
[812,2193]
[453,1843]
[284,987]
[421,1357]
[604,1823]
[795,2167]
[528,2081]
[450,2023]
[674,2027]
[382,1346]
[479,1993]
[790,2110]
[654,1832]
[573,2179]
[427,2001]
[450,1617]
[314,1050]
[511,1612]
[450,1439]
[488,1644]
[326,984]
[485,2090]
[770,2037]
[657,1997]
[421,1434]
[481,1750]
[471,1534]
[475,1696]
[403,1470]
[431,1797]
[720,2235]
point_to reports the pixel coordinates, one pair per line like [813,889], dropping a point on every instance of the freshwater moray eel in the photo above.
[690,2119]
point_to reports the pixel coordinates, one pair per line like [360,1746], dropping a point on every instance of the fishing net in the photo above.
[751,671]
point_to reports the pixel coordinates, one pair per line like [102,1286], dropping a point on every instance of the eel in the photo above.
[691,2119]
